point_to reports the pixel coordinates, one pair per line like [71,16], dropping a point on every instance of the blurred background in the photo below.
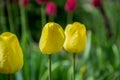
[99,61]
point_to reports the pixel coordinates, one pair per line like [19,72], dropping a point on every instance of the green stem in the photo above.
[49,60]
[15,9]
[24,40]
[26,34]
[9,76]
[74,66]
[107,23]
[43,14]
[69,18]
[2,17]
[10,16]
[51,18]
[23,20]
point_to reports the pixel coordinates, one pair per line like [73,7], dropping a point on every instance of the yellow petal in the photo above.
[52,38]
[83,70]
[75,37]
[11,57]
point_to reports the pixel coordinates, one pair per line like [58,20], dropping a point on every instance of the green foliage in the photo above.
[101,57]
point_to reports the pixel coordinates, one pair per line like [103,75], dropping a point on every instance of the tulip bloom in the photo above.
[11,57]
[24,2]
[75,37]
[70,5]
[97,3]
[52,38]
[51,9]
[41,1]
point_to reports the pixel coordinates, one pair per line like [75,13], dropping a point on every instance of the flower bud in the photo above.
[75,41]
[24,2]
[70,5]
[51,9]
[41,1]
[11,57]
[83,69]
[52,38]
[97,3]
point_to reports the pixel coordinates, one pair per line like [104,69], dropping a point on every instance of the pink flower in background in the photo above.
[51,9]
[41,1]
[70,5]
[24,2]
[97,3]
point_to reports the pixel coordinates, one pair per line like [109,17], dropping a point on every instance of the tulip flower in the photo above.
[51,9]
[75,40]
[75,37]
[11,57]
[97,3]
[70,5]
[24,2]
[83,70]
[52,38]
[41,1]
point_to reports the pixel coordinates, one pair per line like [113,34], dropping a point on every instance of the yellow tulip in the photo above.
[83,70]
[11,57]
[75,37]
[52,38]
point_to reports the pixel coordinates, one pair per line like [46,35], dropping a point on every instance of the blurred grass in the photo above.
[101,58]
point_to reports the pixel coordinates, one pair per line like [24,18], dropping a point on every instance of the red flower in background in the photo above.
[24,2]
[51,9]
[97,3]
[70,5]
[41,1]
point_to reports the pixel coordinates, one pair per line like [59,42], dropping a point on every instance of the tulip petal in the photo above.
[11,57]
[75,37]
[52,38]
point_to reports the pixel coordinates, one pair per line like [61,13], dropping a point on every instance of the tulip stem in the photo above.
[24,38]
[10,17]
[2,17]
[23,20]
[69,18]
[9,76]
[107,23]
[74,66]
[49,67]
[51,18]
[43,14]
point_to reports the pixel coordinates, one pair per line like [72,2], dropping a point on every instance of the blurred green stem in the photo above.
[107,23]
[51,18]
[2,17]
[9,76]
[10,16]
[100,57]
[15,9]
[69,18]
[25,31]
[116,55]
[43,14]
[24,40]
[49,60]
[117,20]
[23,20]
[74,66]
